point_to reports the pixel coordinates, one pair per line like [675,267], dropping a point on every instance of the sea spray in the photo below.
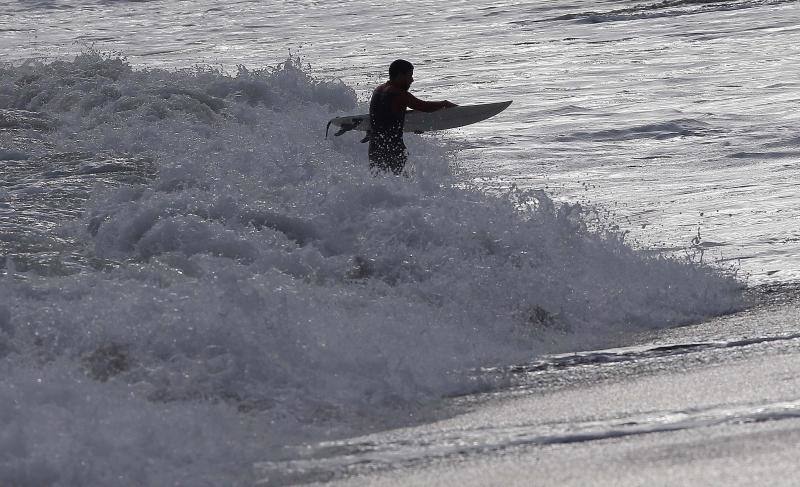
[261,288]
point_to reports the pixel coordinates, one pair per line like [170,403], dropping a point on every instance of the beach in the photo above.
[595,286]
[708,404]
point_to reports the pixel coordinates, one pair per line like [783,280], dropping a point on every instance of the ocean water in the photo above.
[193,278]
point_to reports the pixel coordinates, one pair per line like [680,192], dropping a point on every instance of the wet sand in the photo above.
[709,404]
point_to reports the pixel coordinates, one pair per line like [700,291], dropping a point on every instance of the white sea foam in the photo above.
[265,289]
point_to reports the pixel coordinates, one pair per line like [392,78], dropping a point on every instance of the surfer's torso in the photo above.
[387,115]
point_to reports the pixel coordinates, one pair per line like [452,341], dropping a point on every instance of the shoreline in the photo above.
[530,416]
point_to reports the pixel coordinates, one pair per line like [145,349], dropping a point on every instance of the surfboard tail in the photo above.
[344,124]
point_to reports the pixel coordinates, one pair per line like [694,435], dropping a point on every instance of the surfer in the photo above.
[387,114]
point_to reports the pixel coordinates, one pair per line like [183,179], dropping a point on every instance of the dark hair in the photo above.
[398,67]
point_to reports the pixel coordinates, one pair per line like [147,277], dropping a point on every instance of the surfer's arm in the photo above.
[415,103]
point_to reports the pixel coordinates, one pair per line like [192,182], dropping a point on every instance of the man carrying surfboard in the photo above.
[388,119]
[387,113]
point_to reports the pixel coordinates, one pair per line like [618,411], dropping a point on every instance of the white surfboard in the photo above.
[416,121]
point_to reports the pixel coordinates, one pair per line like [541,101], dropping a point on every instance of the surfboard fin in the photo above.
[345,127]
[366,137]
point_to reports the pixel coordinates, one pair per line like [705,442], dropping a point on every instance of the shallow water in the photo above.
[689,403]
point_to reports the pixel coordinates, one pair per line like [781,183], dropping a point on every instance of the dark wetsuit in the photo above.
[387,151]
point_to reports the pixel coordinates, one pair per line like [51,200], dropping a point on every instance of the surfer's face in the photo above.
[404,80]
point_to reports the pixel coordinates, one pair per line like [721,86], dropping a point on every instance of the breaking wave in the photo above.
[254,286]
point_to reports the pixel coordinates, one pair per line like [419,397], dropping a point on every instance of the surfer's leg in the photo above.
[398,162]
[387,160]
[377,162]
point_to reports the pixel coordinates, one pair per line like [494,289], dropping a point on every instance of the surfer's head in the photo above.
[401,73]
